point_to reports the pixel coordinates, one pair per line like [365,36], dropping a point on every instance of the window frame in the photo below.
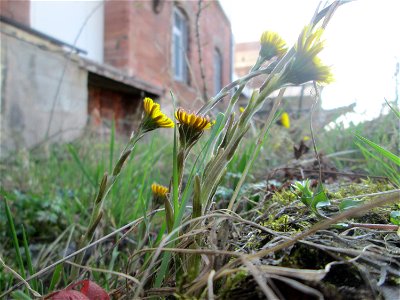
[180,33]
[218,64]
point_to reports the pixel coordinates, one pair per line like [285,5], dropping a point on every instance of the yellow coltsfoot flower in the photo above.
[305,65]
[192,120]
[285,120]
[272,45]
[159,190]
[160,197]
[154,118]
[191,126]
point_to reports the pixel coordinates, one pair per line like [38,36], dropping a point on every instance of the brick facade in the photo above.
[137,59]
[16,10]
[138,39]
[106,104]
[246,55]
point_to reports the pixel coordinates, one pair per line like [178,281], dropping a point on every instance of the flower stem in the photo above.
[105,186]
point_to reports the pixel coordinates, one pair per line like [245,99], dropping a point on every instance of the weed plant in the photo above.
[383,131]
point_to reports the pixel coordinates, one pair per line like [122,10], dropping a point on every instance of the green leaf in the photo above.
[319,200]
[28,257]
[380,150]
[19,295]
[340,225]
[389,169]
[14,239]
[349,203]
[395,217]
[306,194]
[56,277]
[312,200]
[394,110]
[112,143]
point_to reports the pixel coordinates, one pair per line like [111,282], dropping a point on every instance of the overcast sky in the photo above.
[362,44]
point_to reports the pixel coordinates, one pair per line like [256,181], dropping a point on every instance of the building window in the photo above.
[217,71]
[180,48]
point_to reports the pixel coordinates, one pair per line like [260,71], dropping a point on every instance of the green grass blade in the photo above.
[372,156]
[163,269]
[112,143]
[28,258]
[14,239]
[388,170]
[19,295]
[394,110]
[56,277]
[114,256]
[214,136]
[75,156]
[380,150]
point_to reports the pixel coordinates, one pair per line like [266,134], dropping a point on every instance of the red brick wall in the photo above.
[18,10]
[106,105]
[138,40]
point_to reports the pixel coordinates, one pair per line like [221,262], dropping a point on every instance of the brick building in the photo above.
[111,55]
[246,55]
[157,41]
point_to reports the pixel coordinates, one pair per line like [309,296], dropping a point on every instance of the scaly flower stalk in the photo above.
[152,119]
[191,127]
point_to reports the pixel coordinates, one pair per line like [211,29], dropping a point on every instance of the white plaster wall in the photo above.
[63,20]
[30,75]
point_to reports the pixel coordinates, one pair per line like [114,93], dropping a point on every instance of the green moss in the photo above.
[366,186]
[393,280]
[232,281]
[378,215]
[284,197]
[280,224]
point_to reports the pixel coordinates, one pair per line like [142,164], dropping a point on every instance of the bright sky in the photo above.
[362,44]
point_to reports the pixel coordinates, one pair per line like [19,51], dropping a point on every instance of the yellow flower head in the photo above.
[154,117]
[160,195]
[192,120]
[241,109]
[285,120]
[159,190]
[305,65]
[191,126]
[272,45]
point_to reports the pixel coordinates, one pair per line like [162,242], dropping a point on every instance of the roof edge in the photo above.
[39,34]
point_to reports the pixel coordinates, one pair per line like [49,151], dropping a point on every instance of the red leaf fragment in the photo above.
[67,295]
[89,291]
[93,291]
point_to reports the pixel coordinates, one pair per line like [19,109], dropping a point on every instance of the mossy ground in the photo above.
[348,277]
